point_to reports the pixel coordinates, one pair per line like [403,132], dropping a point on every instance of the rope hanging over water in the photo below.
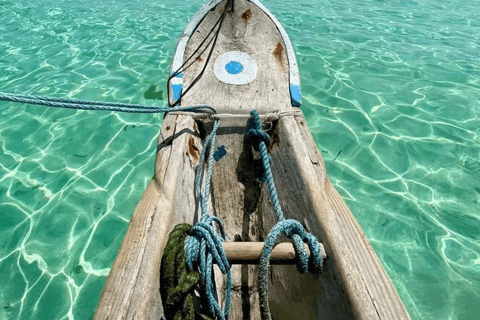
[288,227]
[77,104]
[203,246]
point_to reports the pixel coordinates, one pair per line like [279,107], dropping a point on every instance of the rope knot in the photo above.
[202,237]
[295,231]
[257,133]
[202,248]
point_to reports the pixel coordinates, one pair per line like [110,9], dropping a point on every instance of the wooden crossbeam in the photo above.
[249,252]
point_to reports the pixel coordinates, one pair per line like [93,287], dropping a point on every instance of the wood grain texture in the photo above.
[132,288]
[249,252]
[364,281]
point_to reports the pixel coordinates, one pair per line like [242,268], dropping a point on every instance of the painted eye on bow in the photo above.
[235,68]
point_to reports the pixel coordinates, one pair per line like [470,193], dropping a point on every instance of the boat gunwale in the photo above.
[195,21]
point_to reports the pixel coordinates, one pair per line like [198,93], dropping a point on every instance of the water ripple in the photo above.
[391,94]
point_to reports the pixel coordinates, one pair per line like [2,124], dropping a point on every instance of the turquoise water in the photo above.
[391,94]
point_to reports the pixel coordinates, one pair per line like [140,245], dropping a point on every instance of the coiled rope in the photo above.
[178,283]
[204,245]
[288,227]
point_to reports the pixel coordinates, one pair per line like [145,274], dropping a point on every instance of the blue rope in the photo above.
[262,137]
[204,245]
[290,228]
[96,105]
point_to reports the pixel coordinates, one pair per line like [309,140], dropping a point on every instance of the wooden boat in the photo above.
[252,66]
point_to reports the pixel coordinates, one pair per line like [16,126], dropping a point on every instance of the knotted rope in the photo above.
[290,228]
[204,245]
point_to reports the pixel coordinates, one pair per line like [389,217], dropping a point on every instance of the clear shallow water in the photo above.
[394,86]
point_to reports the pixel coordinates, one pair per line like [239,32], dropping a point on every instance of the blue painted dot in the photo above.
[234,67]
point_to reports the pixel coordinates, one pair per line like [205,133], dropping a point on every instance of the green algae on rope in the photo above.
[177,283]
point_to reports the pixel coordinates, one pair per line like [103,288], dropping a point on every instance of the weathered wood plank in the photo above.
[313,296]
[235,193]
[365,281]
[132,289]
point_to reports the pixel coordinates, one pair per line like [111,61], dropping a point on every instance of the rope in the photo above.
[263,139]
[204,245]
[290,228]
[178,283]
[97,105]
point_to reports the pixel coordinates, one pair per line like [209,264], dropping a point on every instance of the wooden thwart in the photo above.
[249,252]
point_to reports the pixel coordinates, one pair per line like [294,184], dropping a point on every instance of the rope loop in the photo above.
[202,248]
[203,236]
[290,228]
[295,231]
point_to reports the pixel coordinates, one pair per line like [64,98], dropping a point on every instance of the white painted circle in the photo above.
[242,75]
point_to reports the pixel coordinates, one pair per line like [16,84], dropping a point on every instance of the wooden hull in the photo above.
[354,284]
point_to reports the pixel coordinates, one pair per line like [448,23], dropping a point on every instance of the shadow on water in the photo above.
[152,93]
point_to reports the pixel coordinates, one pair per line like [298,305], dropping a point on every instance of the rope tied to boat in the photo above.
[288,227]
[77,104]
[204,245]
